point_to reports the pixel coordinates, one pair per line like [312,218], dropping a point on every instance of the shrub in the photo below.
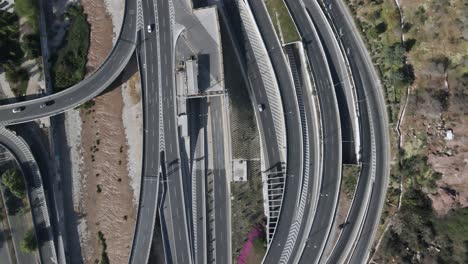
[15,74]
[29,242]
[70,64]
[28,9]
[13,179]
[31,45]
[9,38]
[104,257]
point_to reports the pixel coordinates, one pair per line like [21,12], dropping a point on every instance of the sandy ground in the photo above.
[73,131]
[133,123]
[106,188]
[116,9]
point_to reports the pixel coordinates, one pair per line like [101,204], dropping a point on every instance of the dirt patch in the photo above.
[101,33]
[107,195]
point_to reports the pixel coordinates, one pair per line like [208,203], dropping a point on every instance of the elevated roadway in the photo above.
[222,202]
[148,61]
[343,82]
[331,131]
[264,92]
[354,243]
[175,217]
[36,195]
[89,87]
[292,208]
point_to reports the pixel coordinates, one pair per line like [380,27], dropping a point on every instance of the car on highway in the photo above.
[18,109]
[150,28]
[341,226]
[261,107]
[48,103]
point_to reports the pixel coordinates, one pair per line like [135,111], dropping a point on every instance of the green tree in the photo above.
[28,9]
[31,45]
[70,64]
[9,38]
[29,242]
[13,179]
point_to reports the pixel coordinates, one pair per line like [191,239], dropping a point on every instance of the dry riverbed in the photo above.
[108,183]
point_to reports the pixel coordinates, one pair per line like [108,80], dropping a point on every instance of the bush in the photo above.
[87,105]
[442,96]
[15,74]
[9,39]
[381,27]
[29,242]
[70,64]
[13,179]
[28,9]
[104,257]
[31,45]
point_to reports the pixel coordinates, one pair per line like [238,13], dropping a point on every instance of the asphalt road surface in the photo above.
[149,66]
[294,159]
[175,205]
[221,194]
[198,157]
[376,163]
[331,131]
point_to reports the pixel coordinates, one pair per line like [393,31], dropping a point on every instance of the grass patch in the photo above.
[380,24]
[452,236]
[29,10]
[350,179]
[282,21]
[87,105]
[14,181]
[29,242]
[418,234]
[69,66]
[259,244]
[247,206]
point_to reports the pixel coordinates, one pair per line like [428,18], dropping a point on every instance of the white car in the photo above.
[150,28]
[18,109]
[261,107]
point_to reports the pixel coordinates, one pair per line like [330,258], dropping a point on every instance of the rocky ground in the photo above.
[438,105]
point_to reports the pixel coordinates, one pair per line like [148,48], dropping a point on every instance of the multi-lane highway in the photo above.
[198,168]
[222,202]
[175,210]
[150,79]
[286,231]
[356,239]
[343,82]
[331,131]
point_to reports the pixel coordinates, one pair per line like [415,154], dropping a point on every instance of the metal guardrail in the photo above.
[292,236]
[37,197]
[267,74]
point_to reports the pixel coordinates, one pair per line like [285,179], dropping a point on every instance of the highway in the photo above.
[376,164]
[331,131]
[149,72]
[222,202]
[343,82]
[89,87]
[175,210]
[285,233]
[198,168]
[303,84]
